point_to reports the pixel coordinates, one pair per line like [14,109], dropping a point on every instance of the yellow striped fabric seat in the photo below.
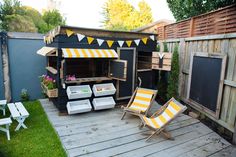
[157,122]
[142,100]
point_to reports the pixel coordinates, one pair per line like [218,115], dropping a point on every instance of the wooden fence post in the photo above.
[234,136]
[191,27]
[5,66]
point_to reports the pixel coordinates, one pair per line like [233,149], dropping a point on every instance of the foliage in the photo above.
[173,79]
[52,19]
[158,48]
[24,95]
[165,47]
[18,18]
[40,139]
[19,23]
[49,82]
[183,9]
[162,85]
[121,15]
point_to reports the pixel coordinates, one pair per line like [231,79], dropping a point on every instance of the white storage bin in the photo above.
[80,106]
[103,103]
[104,89]
[76,92]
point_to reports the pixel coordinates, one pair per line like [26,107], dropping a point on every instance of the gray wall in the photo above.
[25,65]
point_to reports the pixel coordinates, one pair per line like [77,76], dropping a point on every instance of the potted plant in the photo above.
[49,86]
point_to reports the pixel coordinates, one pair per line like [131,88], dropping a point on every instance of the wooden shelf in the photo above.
[88,79]
[52,70]
[143,70]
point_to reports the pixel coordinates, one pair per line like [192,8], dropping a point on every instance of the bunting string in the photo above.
[109,43]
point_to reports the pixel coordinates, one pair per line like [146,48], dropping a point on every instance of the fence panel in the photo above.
[224,44]
[216,22]
[25,65]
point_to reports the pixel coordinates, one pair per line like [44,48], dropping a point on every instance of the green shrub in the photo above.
[165,47]
[158,48]
[173,79]
[24,95]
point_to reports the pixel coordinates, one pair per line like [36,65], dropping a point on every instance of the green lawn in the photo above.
[39,140]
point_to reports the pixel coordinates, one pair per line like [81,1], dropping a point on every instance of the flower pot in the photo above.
[51,93]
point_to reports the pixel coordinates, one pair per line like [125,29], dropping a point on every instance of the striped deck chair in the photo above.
[160,119]
[140,102]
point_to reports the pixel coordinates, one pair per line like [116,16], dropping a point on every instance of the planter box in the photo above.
[51,93]
[77,92]
[104,89]
[103,103]
[80,106]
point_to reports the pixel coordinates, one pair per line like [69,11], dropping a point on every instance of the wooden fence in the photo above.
[220,21]
[224,44]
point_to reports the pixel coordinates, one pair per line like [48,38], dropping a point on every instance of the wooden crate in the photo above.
[51,93]
[166,65]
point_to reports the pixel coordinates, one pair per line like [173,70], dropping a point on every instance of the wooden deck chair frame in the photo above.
[162,130]
[137,113]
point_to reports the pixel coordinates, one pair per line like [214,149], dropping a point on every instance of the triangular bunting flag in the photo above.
[90,40]
[137,41]
[110,42]
[145,40]
[69,32]
[100,41]
[120,42]
[129,42]
[152,37]
[80,37]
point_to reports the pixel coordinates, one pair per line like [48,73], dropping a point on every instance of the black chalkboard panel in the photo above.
[118,69]
[205,80]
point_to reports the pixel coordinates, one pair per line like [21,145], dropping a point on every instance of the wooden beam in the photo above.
[230,83]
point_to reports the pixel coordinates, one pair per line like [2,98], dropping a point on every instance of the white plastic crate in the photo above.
[77,92]
[80,106]
[103,103]
[104,89]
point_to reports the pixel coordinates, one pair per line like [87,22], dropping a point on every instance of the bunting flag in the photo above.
[120,42]
[128,42]
[100,41]
[69,32]
[145,40]
[90,40]
[110,43]
[137,41]
[152,37]
[80,36]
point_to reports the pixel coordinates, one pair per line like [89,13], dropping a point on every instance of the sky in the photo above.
[87,13]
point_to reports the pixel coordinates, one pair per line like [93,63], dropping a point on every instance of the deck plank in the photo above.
[104,134]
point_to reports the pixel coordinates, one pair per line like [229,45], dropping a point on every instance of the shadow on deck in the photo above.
[102,133]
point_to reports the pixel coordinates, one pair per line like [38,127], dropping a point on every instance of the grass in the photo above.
[39,139]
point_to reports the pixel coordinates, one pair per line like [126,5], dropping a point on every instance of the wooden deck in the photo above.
[102,133]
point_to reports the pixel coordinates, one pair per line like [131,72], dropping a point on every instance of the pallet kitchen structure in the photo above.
[79,52]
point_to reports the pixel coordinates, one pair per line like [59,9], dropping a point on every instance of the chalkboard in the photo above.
[118,69]
[205,81]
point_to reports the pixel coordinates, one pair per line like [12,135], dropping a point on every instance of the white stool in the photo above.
[7,122]
[3,105]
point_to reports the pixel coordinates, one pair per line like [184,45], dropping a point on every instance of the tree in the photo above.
[120,15]
[173,79]
[36,17]
[17,18]
[183,9]
[52,19]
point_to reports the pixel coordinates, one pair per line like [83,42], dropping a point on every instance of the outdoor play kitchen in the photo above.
[94,69]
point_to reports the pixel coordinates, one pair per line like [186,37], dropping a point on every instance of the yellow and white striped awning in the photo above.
[89,53]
